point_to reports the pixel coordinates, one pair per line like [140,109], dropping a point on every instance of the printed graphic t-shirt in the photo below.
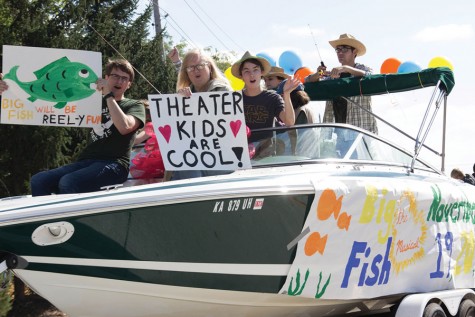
[107,142]
[260,112]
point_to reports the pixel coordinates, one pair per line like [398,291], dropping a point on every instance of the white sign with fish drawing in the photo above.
[51,87]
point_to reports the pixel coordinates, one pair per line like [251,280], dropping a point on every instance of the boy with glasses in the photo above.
[105,161]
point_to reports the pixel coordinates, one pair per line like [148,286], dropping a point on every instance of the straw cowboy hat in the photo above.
[348,39]
[235,68]
[277,71]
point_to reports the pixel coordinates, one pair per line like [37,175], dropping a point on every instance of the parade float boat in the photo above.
[315,230]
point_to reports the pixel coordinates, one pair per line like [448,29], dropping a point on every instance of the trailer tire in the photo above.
[434,310]
[466,309]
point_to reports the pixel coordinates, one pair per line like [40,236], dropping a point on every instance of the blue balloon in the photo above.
[290,62]
[408,67]
[266,56]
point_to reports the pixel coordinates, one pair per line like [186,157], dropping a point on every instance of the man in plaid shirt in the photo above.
[338,109]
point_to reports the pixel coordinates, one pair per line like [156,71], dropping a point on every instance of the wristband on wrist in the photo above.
[111,94]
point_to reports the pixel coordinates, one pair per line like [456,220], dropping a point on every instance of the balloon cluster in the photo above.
[288,60]
[292,65]
[148,163]
[393,65]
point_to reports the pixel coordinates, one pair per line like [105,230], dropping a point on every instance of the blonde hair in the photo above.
[183,78]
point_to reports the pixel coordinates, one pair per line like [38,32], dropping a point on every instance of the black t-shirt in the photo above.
[107,142]
[261,110]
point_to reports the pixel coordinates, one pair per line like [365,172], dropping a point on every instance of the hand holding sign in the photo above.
[201,132]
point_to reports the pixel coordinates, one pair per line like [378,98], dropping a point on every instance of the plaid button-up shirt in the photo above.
[355,115]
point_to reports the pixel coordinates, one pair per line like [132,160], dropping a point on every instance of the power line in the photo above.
[182,31]
[229,37]
[183,34]
[211,31]
[190,43]
[120,54]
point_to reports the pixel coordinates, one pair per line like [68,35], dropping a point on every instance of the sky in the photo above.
[408,30]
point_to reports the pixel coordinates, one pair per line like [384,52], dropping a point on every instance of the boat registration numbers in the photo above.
[239,204]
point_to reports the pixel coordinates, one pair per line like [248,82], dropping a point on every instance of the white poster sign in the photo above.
[371,238]
[51,87]
[206,131]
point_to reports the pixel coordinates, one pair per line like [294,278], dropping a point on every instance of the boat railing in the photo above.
[317,143]
[425,127]
[442,78]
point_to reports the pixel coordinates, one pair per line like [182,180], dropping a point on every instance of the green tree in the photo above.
[111,27]
[223,60]
[27,149]
[5,300]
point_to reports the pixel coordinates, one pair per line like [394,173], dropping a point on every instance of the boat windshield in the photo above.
[327,142]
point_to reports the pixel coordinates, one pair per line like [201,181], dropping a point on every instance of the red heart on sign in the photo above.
[166,131]
[235,126]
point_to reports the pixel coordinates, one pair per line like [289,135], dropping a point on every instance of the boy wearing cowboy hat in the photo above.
[338,110]
[262,107]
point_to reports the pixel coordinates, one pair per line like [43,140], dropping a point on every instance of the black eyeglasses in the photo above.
[200,66]
[119,78]
[343,49]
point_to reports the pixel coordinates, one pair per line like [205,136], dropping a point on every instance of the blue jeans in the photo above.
[78,177]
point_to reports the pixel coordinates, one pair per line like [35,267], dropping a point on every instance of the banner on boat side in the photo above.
[51,87]
[206,131]
[366,239]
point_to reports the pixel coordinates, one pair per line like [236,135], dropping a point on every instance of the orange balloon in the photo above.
[390,65]
[301,73]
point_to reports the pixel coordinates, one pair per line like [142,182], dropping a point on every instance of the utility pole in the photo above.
[156,16]
[158,28]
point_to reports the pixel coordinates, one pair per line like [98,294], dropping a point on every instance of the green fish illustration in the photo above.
[61,81]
